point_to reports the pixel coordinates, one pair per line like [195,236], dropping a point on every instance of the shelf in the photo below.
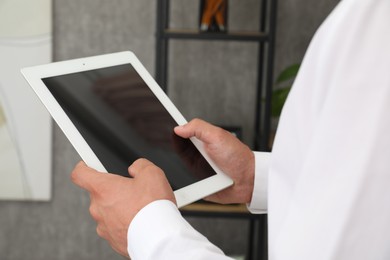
[200,207]
[197,35]
[218,210]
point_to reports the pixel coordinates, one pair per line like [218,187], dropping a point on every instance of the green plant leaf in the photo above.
[288,73]
[278,98]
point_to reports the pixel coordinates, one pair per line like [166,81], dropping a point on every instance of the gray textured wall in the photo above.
[62,228]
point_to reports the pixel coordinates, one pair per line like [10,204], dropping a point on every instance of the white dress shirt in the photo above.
[328,189]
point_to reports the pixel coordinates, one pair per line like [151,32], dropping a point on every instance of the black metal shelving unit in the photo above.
[265,38]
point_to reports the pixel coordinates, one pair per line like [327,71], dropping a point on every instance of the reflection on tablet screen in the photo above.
[122,120]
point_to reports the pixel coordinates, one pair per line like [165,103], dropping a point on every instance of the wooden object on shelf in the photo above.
[213,15]
[216,208]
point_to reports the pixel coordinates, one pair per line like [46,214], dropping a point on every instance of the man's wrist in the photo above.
[250,178]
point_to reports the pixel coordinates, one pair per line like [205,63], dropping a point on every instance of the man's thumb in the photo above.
[84,176]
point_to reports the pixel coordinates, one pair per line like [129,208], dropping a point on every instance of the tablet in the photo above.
[113,112]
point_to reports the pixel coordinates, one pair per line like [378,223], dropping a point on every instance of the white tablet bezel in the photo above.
[34,76]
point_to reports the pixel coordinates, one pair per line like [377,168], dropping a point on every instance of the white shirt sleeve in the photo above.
[330,172]
[258,204]
[159,231]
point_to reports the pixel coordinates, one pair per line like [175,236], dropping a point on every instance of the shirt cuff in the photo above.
[258,204]
[159,231]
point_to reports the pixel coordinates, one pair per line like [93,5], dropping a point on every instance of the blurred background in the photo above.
[213,80]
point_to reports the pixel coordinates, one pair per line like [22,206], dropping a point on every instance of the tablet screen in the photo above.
[122,120]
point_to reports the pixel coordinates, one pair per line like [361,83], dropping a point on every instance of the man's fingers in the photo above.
[84,176]
[200,129]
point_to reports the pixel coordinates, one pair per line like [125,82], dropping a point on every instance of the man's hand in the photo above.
[232,157]
[115,200]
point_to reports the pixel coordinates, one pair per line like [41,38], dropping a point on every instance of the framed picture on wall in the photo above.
[25,125]
[213,15]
